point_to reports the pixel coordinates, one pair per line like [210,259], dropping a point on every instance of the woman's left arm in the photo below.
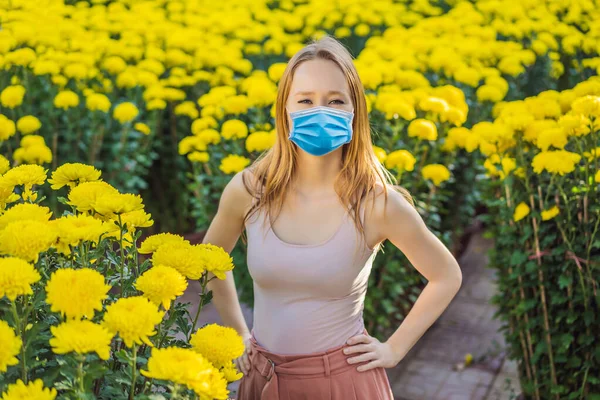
[400,223]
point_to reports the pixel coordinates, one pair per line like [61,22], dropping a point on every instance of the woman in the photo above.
[316,208]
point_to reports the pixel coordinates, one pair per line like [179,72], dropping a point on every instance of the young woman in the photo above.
[315,208]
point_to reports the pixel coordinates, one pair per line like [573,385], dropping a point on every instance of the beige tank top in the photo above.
[307,298]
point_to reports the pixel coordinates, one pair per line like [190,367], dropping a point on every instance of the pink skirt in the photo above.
[325,375]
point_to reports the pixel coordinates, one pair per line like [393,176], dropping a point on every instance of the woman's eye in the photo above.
[305,101]
[337,101]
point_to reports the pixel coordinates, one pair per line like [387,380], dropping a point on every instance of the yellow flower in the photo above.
[97,102]
[177,365]
[438,173]
[12,96]
[191,143]
[380,154]
[16,277]
[134,319]
[521,211]
[28,124]
[25,211]
[597,177]
[34,390]
[198,156]
[33,154]
[156,104]
[161,285]
[402,160]
[219,344]
[203,123]
[72,174]
[234,129]
[141,127]
[26,175]
[423,129]
[153,242]
[230,373]
[550,213]
[135,219]
[214,388]
[575,124]
[11,346]
[209,136]
[233,164]
[74,229]
[189,260]
[260,141]
[187,108]
[276,71]
[125,112]
[84,195]
[559,161]
[66,99]
[7,128]
[552,137]
[110,204]
[81,337]
[26,239]
[4,164]
[217,260]
[588,106]
[76,293]
[489,93]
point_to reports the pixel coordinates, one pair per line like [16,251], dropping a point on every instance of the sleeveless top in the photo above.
[307,298]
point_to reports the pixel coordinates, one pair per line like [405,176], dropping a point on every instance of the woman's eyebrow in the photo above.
[308,93]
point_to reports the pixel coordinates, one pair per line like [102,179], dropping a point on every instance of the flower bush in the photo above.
[83,316]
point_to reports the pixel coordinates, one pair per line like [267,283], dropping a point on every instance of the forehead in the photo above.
[319,76]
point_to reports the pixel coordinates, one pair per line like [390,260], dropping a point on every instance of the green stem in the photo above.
[133,377]
[122,261]
[21,333]
[203,283]
[80,375]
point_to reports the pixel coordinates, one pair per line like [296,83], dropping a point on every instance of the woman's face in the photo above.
[319,83]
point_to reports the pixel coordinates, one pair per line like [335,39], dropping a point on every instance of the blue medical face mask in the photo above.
[320,130]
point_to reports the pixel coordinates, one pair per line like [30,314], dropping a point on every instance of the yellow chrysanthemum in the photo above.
[199,156]
[234,129]
[26,239]
[26,175]
[230,373]
[550,213]
[135,219]
[219,344]
[16,277]
[12,96]
[521,211]
[134,319]
[215,387]
[153,242]
[216,259]
[73,174]
[28,124]
[74,229]
[97,102]
[84,195]
[423,129]
[81,337]
[189,260]
[161,285]
[177,365]
[11,346]
[556,162]
[260,141]
[402,160]
[125,112]
[4,164]
[597,177]
[25,211]
[34,390]
[438,173]
[233,164]
[117,203]
[76,293]
[588,106]
[66,99]
[380,154]
[141,127]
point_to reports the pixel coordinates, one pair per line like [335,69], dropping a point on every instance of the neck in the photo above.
[316,174]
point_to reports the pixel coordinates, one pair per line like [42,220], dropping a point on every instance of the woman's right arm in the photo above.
[224,231]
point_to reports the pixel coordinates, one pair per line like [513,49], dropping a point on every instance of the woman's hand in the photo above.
[242,363]
[370,349]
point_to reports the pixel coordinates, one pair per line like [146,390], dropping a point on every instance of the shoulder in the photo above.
[239,192]
[390,207]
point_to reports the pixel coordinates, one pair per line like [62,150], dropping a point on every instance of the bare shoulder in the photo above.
[237,197]
[387,214]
